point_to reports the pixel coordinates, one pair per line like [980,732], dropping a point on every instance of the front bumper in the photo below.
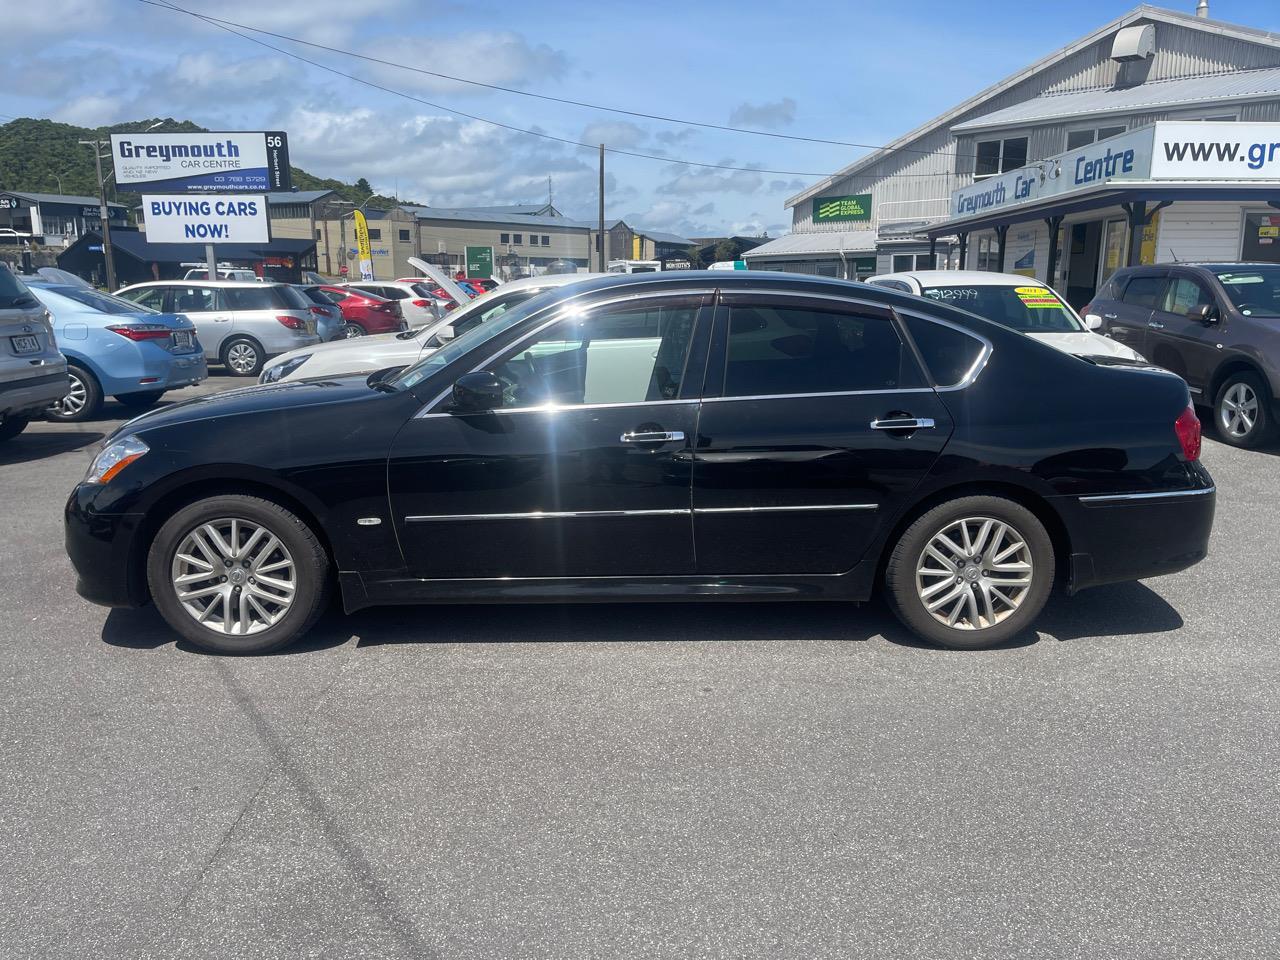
[1135,536]
[100,548]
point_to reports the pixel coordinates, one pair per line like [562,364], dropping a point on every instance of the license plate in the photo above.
[182,339]
[311,327]
[23,345]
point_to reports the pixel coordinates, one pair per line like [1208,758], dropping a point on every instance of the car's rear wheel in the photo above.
[243,357]
[142,400]
[10,427]
[971,573]
[238,574]
[351,330]
[83,399]
[1242,411]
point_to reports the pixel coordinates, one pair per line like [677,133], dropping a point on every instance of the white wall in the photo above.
[1200,231]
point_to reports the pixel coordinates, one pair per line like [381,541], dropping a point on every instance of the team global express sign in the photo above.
[832,209]
[238,218]
[201,162]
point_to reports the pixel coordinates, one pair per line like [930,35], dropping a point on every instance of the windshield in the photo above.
[478,312]
[101,302]
[1029,309]
[1255,291]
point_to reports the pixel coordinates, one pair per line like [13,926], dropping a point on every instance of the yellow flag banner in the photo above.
[363,250]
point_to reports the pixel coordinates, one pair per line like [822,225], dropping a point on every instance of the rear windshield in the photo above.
[264,297]
[102,302]
[1029,309]
[1255,291]
[421,289]
[13,292]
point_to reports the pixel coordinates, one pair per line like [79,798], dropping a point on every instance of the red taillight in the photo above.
[422,303]
[293,323]
[142,331]
[1187,427]
[1086,308]
[320,311]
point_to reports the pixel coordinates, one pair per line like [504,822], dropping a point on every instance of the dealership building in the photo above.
[1154,138]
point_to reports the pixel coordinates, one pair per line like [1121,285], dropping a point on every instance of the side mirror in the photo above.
[1092,321]
[476,392]
[1206,313]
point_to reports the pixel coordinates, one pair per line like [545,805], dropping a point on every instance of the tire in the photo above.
[1242,411]
[141,401]
[910,585]
[351,330]
[82,402]
[243,357]
[10,427]
[202,619]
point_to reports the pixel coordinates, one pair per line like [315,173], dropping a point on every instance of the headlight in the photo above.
[114,458]
[281,370]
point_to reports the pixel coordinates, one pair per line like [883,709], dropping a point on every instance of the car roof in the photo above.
[973,278]
[255,284]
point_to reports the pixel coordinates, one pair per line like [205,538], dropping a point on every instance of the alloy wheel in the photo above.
[74,402]
[234,576]
[242,358]
[1239,411]
[352,330]
[974,573]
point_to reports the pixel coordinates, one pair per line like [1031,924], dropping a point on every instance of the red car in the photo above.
[366,313]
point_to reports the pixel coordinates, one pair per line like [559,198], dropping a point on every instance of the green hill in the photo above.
[42,156]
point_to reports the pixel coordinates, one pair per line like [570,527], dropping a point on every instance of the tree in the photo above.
[694,254]
[363,186]
[728,249]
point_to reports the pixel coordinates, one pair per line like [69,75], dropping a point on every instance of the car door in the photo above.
[583,471]
[203,306]
[1127,318]
[816,424]
[1180,342]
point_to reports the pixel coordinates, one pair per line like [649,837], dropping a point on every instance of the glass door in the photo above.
[1113,237]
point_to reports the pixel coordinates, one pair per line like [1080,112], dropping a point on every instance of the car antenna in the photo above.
[1174,255]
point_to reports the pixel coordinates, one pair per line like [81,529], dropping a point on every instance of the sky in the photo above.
[854,71]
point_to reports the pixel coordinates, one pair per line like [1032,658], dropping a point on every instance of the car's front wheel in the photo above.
[238,574]
[971,573]
[1242,411]
[243,357]
[83,399]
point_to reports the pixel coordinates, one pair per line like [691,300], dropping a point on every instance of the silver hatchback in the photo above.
[33,374]
[241,324]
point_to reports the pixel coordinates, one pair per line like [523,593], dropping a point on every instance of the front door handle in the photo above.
[1109,316]
[903,423]
[652,436]
[1155,324]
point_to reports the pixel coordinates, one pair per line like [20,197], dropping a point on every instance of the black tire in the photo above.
[351,330]
[908,556]
[246,354]
[10,427]
[83,400]
[1229,427]
[310,580]
[141,401]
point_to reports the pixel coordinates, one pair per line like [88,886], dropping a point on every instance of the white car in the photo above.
[1013,301]
[417,305]
[365,354]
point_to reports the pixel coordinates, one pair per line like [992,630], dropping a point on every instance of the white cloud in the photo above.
[693,180]
[92,110]
[320,21]
[491,56]
[619,134]
[26,21]
[766,115]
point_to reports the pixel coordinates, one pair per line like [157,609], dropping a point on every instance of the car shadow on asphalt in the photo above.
[1120,610]
[29,445]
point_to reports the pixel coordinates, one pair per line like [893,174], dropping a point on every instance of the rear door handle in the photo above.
[652,436]
[903,423]
[1155,324]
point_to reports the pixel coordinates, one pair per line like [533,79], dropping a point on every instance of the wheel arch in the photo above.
[1228,369]
[231,340]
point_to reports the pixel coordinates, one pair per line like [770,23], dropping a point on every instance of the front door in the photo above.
[816,426]
[1180,342]
[584,471]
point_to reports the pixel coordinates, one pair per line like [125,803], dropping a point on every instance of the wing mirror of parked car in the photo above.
[1206,313]
[1092,321]
[478,391]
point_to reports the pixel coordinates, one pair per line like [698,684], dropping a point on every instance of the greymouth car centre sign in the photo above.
[201,162]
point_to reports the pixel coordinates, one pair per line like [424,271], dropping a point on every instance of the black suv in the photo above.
[1215,324]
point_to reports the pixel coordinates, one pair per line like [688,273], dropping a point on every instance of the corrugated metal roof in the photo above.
[658,237]
[799,244]
[297,196]
[482,216]
[1241,85]
[61,198]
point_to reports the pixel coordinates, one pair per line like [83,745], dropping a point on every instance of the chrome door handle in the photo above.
[1155,324]
[903,423]
[221,319]
[1109,316]
[652,436]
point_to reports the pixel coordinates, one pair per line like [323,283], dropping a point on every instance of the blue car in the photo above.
[117,348]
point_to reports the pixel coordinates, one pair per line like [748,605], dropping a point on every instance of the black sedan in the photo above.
[679,436]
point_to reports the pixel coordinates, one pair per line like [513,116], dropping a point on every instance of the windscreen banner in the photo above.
[201,162]
[363,250]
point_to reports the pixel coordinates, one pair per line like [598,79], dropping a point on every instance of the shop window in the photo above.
[1000,156]
[375,233]
[902,262]
[504,238]
[318,234]
[404,236]
[1082,138]
[517,239]
[546,241]
[988,253]
[1261,238]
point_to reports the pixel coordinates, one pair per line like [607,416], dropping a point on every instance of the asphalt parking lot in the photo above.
[658,781]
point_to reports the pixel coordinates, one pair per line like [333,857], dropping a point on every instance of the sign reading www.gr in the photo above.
[241,218]
[832,209]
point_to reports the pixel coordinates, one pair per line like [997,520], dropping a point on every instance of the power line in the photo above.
[212,21]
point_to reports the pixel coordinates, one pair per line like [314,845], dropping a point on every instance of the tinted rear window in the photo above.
[1143,291]
[13,292]
[948,353]
[102,302]
[264,298]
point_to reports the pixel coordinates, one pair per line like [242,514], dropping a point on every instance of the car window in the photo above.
[1184,295]
[1029,309]
[628,354]
[1144,291]
[13,292]
[335,295]
[1255,291]
[101,302]
[892,285]
[782,350]
[193,299]
[291,298]
[250,298]
[950,354]
[152,297]
[476,317]
[422,290]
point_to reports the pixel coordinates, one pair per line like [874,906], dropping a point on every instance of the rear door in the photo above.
[203,306]
[1127,319]
[816,425]
[1185,344]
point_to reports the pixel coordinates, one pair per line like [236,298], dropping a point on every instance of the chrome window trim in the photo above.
[833,393]
[562,408]
[559,310]
[789,509]
[547,515]
[1157,495]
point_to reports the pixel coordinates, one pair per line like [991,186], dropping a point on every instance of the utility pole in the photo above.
[601,259]
[106,220]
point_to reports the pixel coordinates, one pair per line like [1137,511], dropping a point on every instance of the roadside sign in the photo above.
[479,261]
[856,207]
[201,162]
[362,246]
[239,218]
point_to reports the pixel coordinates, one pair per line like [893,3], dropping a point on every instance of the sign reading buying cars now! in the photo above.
[228,218]
[201,162]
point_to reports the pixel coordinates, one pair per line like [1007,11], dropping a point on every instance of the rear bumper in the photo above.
[99,547]
[33,394]
[1136,536]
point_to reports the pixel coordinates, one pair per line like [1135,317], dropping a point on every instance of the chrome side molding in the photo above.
[1157,495]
